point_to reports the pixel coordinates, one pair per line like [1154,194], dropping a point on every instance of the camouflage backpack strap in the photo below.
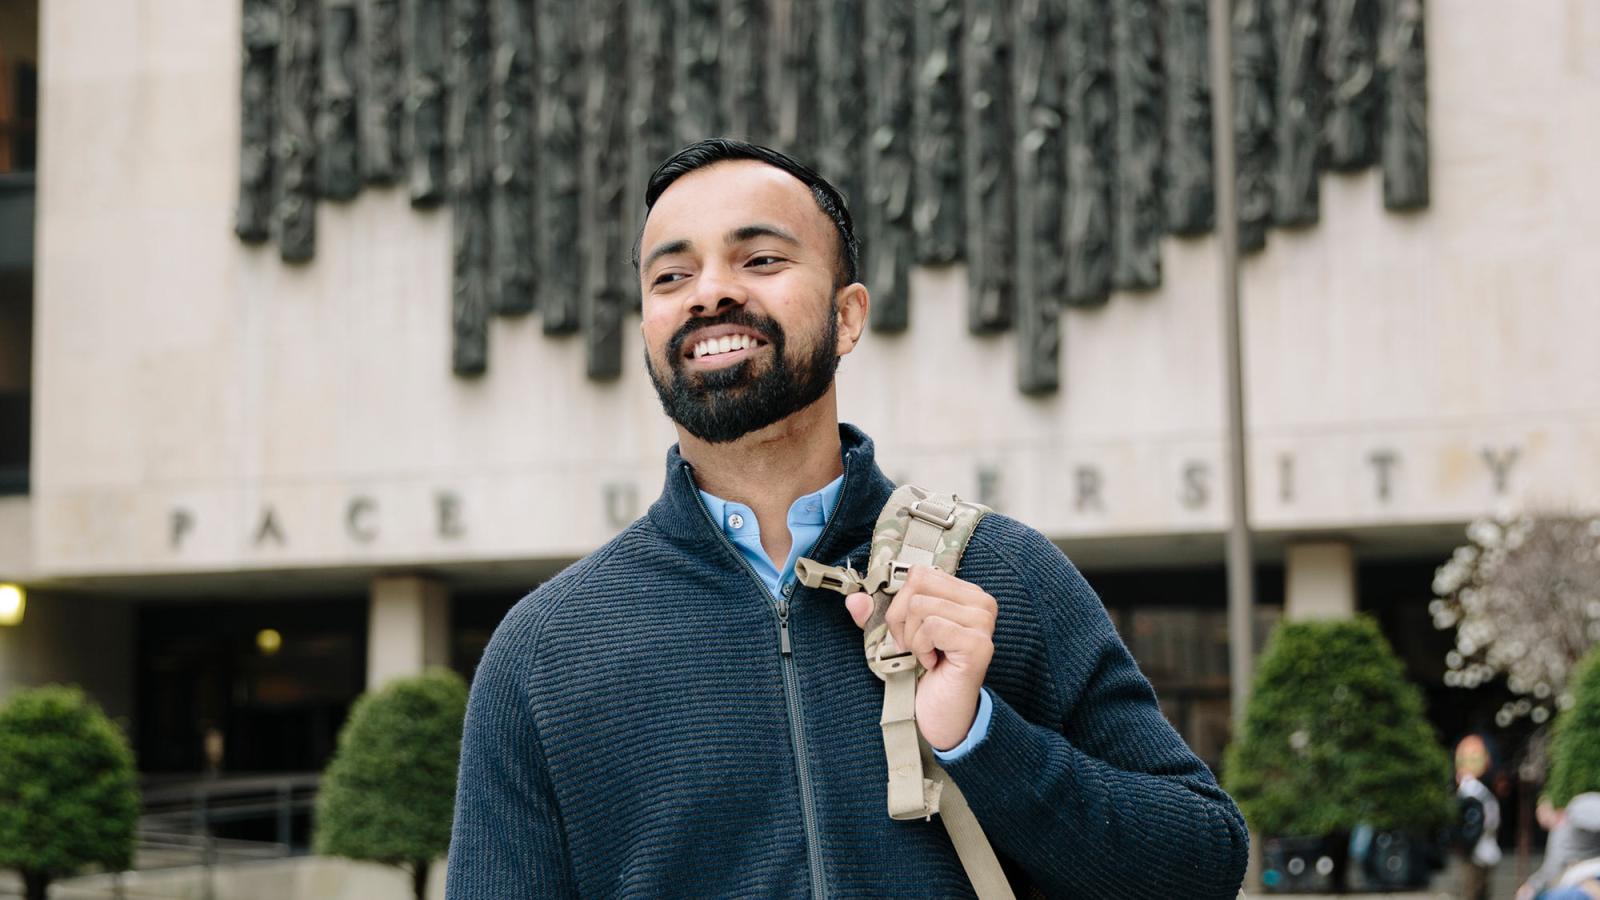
[916,527]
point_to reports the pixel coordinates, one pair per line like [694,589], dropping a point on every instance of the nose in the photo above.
[716,291]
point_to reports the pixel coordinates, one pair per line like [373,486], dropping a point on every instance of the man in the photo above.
[1479,827]
[1572,852]
[675,716]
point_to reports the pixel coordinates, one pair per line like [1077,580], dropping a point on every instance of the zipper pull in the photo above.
[783,628]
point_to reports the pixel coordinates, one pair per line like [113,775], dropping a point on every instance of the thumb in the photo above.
[860,606]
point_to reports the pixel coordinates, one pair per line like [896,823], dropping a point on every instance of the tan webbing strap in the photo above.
[977,857]
[915,528]
[911,796]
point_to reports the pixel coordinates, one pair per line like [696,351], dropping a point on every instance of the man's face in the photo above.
[740,319]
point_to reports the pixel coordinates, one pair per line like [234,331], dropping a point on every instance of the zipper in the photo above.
[784,648]
[791,686]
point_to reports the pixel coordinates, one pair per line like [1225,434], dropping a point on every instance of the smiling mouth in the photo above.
[724,350]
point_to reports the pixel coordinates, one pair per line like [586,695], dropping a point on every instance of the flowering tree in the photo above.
[1523,595]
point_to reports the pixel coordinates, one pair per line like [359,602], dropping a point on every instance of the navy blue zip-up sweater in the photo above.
[634,730]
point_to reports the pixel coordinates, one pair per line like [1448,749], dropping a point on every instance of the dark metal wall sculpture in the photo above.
[696,74]
[607,277]
[937,127]
[1090,163]
[1041,272]
[1405,107]
[1350,64]
[745,93]
[990,167]
[382,97]
[652,137]
[1136,74]
[886,229]
[1253,99]
[294,143]
[1049,145]
[1187,176]
[842,111]
[511,137]
[338,131]
[1297,112]
[796,78]
[258,114]
[559,149]
[423,24]
[470,162]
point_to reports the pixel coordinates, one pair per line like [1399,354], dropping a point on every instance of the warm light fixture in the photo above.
[268,641]
[13,600]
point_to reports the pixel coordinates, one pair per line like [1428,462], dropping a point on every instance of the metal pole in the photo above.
[285,795]
[1241,581]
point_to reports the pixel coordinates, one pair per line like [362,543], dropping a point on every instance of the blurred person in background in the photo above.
[1571,869]
[1479,825]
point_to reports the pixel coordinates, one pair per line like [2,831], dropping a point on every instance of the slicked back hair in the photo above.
[714,150]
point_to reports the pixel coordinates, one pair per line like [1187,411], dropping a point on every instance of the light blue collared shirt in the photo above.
[808,516]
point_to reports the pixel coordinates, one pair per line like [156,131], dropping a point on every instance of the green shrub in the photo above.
[389,793]
[69,797]
[1575,747]
[1335,736]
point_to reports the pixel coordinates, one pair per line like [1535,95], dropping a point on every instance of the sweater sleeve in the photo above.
[507,839]
[1109,802]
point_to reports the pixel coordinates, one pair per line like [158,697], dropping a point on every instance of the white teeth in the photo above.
[726,344]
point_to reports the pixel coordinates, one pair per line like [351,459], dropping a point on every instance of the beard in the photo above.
[726,404]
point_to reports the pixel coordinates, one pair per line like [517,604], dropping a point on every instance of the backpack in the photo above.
[916,527]
[1469,825]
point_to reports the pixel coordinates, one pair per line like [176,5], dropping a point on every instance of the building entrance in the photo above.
[232,687]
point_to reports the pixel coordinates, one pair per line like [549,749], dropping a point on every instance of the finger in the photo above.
[895,615]
[924,642]
[928,580]
[922,606]
[955,641]
[860,607]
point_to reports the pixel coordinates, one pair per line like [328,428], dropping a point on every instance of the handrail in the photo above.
[180,815]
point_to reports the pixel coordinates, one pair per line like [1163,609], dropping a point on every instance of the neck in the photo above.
[769,469]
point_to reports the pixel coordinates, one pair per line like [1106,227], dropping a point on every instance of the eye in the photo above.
[669,277]
[765,260]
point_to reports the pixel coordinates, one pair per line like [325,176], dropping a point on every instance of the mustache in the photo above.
[768,328]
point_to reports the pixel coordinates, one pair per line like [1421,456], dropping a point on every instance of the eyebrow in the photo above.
[666,249]
[737,236]
[760,229]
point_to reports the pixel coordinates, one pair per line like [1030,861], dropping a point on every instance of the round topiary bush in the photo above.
[389,794]
[1575,745]
[1334,736]
[69,796]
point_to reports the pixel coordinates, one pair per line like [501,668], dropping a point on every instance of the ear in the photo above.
[853,306]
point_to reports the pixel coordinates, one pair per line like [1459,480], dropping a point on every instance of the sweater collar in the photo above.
[681,517]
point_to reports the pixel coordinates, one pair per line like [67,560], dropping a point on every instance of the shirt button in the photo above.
[788,589]
[736,521]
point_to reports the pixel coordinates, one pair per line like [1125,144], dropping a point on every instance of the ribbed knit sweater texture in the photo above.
[635,731]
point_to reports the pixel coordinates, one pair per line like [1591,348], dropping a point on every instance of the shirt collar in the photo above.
[811,509]
[679,513]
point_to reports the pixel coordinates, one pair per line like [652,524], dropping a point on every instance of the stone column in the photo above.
[408,628]
[1321,580]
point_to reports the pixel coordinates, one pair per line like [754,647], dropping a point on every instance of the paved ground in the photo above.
[184,883]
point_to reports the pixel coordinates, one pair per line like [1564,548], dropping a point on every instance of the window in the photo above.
[19,86]
[19,92]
